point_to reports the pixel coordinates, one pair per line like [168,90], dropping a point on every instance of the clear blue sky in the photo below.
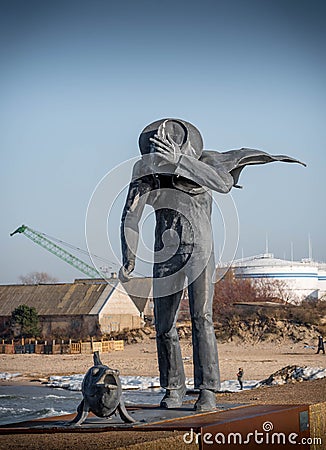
[80,79]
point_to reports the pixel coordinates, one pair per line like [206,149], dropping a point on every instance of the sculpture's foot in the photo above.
[173,398]
[206,401]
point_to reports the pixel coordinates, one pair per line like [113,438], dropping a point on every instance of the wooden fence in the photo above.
[55,348]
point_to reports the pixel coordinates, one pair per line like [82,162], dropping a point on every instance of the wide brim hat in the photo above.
[193,135]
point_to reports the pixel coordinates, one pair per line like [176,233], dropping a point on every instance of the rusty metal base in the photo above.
[237,421]
[144,415]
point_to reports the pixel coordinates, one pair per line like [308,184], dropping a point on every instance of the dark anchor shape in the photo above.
[102,394]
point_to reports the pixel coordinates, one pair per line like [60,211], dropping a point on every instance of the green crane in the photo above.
[43,241]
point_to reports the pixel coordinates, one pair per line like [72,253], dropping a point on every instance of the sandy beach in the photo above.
[259,361]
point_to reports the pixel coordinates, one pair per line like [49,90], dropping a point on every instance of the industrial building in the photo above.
[304,280]
[87,307]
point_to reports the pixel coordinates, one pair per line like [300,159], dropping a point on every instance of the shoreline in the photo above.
[298,393]
[140,359]
[295,393]
[22,381]
[258,361]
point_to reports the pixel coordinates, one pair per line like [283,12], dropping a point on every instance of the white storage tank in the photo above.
[322,280]
[302,279]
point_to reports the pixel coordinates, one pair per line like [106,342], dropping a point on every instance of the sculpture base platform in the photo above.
[231,426]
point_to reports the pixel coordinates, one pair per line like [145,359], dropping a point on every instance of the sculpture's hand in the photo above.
[125,271]
[166,148]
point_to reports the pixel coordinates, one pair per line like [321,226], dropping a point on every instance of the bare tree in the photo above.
[275,290]
[37,278]
[230,290]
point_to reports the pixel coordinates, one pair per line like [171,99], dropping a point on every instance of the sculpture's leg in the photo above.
[124,413]
[206,367]
[172,376]
[82,412]
[167,340]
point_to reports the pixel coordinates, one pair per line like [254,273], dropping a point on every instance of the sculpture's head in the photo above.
[183,133]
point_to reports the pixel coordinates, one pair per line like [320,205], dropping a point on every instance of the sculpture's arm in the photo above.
[168,155]
[225,168]
[129,231]
[201,173]
[214,170]
[234,161]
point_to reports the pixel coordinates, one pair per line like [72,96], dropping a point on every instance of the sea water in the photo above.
[62,394]
[20,402]
[24,402]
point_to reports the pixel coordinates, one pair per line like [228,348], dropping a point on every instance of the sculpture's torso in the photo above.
[177,213]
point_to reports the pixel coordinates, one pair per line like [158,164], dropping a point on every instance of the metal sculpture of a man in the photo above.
[175,176]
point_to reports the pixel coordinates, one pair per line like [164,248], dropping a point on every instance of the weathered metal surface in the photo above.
[260,427]
[102,394]
[317,420]
[269,423]
[145,416]
[175,176]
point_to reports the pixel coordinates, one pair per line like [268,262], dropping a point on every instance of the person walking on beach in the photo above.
[240,375]
[321,347]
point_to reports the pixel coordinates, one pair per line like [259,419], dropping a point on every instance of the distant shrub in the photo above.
[25,322]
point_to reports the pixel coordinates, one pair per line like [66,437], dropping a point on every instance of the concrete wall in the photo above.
[120,303]
[119,312]
[118,322]
[4,325]
[75,327]
[81,326]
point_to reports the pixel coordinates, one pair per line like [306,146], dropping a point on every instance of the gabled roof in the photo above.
[55,299]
